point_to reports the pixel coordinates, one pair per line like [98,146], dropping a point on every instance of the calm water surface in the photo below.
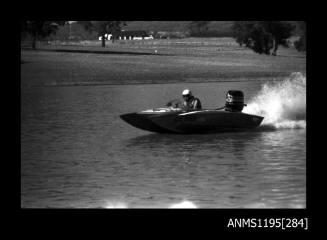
[77,152]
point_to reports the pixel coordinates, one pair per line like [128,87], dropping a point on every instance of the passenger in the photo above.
[190,102]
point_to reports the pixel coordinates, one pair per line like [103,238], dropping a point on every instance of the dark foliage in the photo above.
[39,29]
[263,37]
[198,28]
[300,45]
[104,27]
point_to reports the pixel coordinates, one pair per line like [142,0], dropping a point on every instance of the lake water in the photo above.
[77,152]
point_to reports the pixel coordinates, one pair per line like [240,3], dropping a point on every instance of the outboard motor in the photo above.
[234,101]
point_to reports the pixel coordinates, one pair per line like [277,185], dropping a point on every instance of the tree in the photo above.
[198,28]
[300,44]
[39,29]
[104,27]
[262,36]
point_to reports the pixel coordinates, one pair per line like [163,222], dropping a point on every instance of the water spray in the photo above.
[282,103]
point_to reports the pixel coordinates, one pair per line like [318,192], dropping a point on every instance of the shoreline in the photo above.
[159,62]
[91,84]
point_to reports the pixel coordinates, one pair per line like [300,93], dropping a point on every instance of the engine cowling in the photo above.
[234,101]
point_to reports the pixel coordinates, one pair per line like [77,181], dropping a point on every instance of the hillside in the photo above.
[177,29]
[222,27]
[176,26]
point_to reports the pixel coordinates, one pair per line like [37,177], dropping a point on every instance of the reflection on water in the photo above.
[245,169]
[187,145]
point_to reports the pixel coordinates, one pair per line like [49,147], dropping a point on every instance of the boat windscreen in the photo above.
[175,103]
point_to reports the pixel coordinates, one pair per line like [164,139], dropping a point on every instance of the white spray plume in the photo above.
[184,204]
[115,205]
[282,104]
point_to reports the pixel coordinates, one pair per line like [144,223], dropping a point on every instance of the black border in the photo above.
[188,222]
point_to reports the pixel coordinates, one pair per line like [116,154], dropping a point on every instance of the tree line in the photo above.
[41,29]
[263,37]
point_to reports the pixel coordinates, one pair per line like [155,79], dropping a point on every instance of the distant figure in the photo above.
[190,102]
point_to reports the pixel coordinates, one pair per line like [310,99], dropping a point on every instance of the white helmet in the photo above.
[187,92]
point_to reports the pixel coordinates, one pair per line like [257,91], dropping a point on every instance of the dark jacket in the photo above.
[192,104]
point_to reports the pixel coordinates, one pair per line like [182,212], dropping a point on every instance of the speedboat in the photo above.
[174,119]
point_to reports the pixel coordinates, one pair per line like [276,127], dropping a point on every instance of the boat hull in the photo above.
[143,121]
[204,121]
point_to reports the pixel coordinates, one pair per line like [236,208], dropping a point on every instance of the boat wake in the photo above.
[282,103]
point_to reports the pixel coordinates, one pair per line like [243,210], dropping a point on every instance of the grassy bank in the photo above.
[152,61]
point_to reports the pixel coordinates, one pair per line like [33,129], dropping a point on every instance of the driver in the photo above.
[190,102]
